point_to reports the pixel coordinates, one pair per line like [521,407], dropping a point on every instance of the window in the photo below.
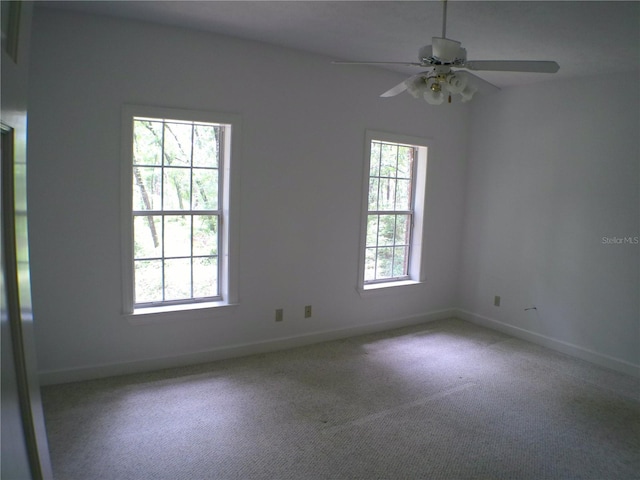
[178,225]
[394,187]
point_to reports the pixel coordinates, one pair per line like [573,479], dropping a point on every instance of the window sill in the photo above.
[180,313]
[386,288]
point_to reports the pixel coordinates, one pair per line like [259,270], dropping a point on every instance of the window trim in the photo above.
[228,250]
[415,271]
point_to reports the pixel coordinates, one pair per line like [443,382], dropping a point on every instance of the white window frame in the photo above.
[229,241]
[415,268]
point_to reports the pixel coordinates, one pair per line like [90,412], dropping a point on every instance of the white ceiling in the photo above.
[585,38]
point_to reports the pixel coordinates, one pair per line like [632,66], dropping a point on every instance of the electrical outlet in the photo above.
[496,300]
[279,314]
[307,311]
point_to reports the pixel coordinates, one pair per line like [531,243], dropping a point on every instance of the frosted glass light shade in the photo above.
[433,93]
[433,98]
[456,83]
[467,93]
[416,87]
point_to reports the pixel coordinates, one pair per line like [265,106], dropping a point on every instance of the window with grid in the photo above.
[390,211]
[179,212]
[395,183]
[176,210]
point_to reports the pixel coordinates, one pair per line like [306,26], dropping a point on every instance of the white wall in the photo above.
[304,122]
[554,168]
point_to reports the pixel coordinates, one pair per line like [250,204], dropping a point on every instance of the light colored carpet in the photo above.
[444,400]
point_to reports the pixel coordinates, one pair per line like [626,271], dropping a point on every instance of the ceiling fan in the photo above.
[445,56]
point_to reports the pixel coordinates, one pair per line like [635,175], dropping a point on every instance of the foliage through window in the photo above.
[177,214]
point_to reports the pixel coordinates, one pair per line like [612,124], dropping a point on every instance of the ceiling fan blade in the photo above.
[406,64]
[534,66]
[398,89]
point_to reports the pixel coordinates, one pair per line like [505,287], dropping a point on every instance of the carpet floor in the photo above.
[442,400]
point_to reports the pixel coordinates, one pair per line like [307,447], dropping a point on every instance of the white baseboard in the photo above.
[53,377]
[552,343]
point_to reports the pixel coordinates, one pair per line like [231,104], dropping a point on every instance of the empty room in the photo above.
[331,240]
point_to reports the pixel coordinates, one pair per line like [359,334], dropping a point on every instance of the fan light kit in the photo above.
[442,82]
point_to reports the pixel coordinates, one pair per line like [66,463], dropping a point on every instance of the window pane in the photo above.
[147,234]
[374,161]
[370,264]
[148,281]
[372,231]
[177,144]
[386,230]
[403,195]
[205,277]
[177,279]
[205,146]
[400,261]
[177,236]
[402,229]
[405,161]
[177,189]
[147,188]
[205,235]
[205,189]
[147,142]
[388,160]
[373,193]
[386,200]
[384,263]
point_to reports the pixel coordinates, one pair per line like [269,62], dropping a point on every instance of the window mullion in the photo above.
[377,249]
[393,252]
[379,160]
[221,147]
[193,139]
[162,216]
[395,189]
[191,254]
[390,212]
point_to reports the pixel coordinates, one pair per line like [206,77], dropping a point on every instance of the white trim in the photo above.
[52,377]
[126,204]
[419,213]
[180,313]
[416,260]
[552,343]
[230,207]
[387,288]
